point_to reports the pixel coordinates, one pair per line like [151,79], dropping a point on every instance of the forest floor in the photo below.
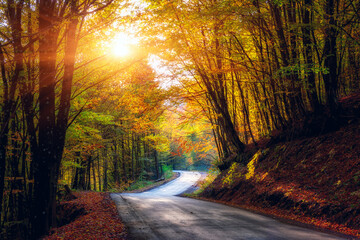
[93,215]
[313,180]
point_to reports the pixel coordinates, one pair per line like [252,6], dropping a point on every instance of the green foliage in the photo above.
[278,2]
[356,177]
[210,177]
[231,175]
[71,163]
[168,171]
[139,185]
[252,165]
[91,117]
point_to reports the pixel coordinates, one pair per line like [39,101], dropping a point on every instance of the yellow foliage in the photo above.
[338,182]
[251,165]
[231,174]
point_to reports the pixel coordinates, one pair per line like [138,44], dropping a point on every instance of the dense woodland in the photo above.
[71,113]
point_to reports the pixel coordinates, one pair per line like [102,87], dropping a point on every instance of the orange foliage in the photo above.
[313,180]
[101,220]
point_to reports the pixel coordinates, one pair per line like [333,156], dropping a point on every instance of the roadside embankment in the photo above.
[311,180]
[92,215]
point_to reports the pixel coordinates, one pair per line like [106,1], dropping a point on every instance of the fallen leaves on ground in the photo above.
[312,180]
[101,220]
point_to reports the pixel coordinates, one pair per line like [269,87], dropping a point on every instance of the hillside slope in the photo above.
[313,180]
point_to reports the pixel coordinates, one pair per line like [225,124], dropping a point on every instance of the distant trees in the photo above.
[114,142]
[262,66]
[253,68]
[129,133]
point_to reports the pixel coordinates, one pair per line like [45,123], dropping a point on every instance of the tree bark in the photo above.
[52,130]
[14,11]
[307,44]
[330,55]
[156,162]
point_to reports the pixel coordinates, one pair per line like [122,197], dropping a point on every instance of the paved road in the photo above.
[159,214]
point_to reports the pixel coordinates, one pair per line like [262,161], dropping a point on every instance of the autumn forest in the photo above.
[104,94]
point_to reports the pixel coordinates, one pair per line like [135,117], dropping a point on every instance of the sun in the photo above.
[121,48]
[122,45]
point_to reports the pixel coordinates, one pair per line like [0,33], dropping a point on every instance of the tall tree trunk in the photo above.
[44,162]
[99,172]
[307,30]
[123,159]
[115,171]
[156,162]
[330,55]
[10,83]
[51,130]
[93,174]
[105,169]
[4,129]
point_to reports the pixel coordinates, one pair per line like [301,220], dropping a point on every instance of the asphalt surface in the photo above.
[160,214]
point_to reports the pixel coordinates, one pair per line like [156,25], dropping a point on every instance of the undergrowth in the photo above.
[204,183]
[145,184]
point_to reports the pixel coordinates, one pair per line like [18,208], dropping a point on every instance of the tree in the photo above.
[259,66]
[38,64]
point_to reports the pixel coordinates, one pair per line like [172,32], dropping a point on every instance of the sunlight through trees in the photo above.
[98,95]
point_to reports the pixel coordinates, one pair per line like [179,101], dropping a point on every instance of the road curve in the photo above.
[160,214]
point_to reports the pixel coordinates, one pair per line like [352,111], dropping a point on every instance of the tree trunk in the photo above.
[123,159]
[156,161]
[45,162]
[330,55]
[307,44]
[51,130]
[105,169]
[99,172]
[10,83]
[115,171]
[93,174]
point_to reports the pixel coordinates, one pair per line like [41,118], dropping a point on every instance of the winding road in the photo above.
[161,214]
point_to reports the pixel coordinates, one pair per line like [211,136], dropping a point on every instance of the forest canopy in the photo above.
[98,95]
